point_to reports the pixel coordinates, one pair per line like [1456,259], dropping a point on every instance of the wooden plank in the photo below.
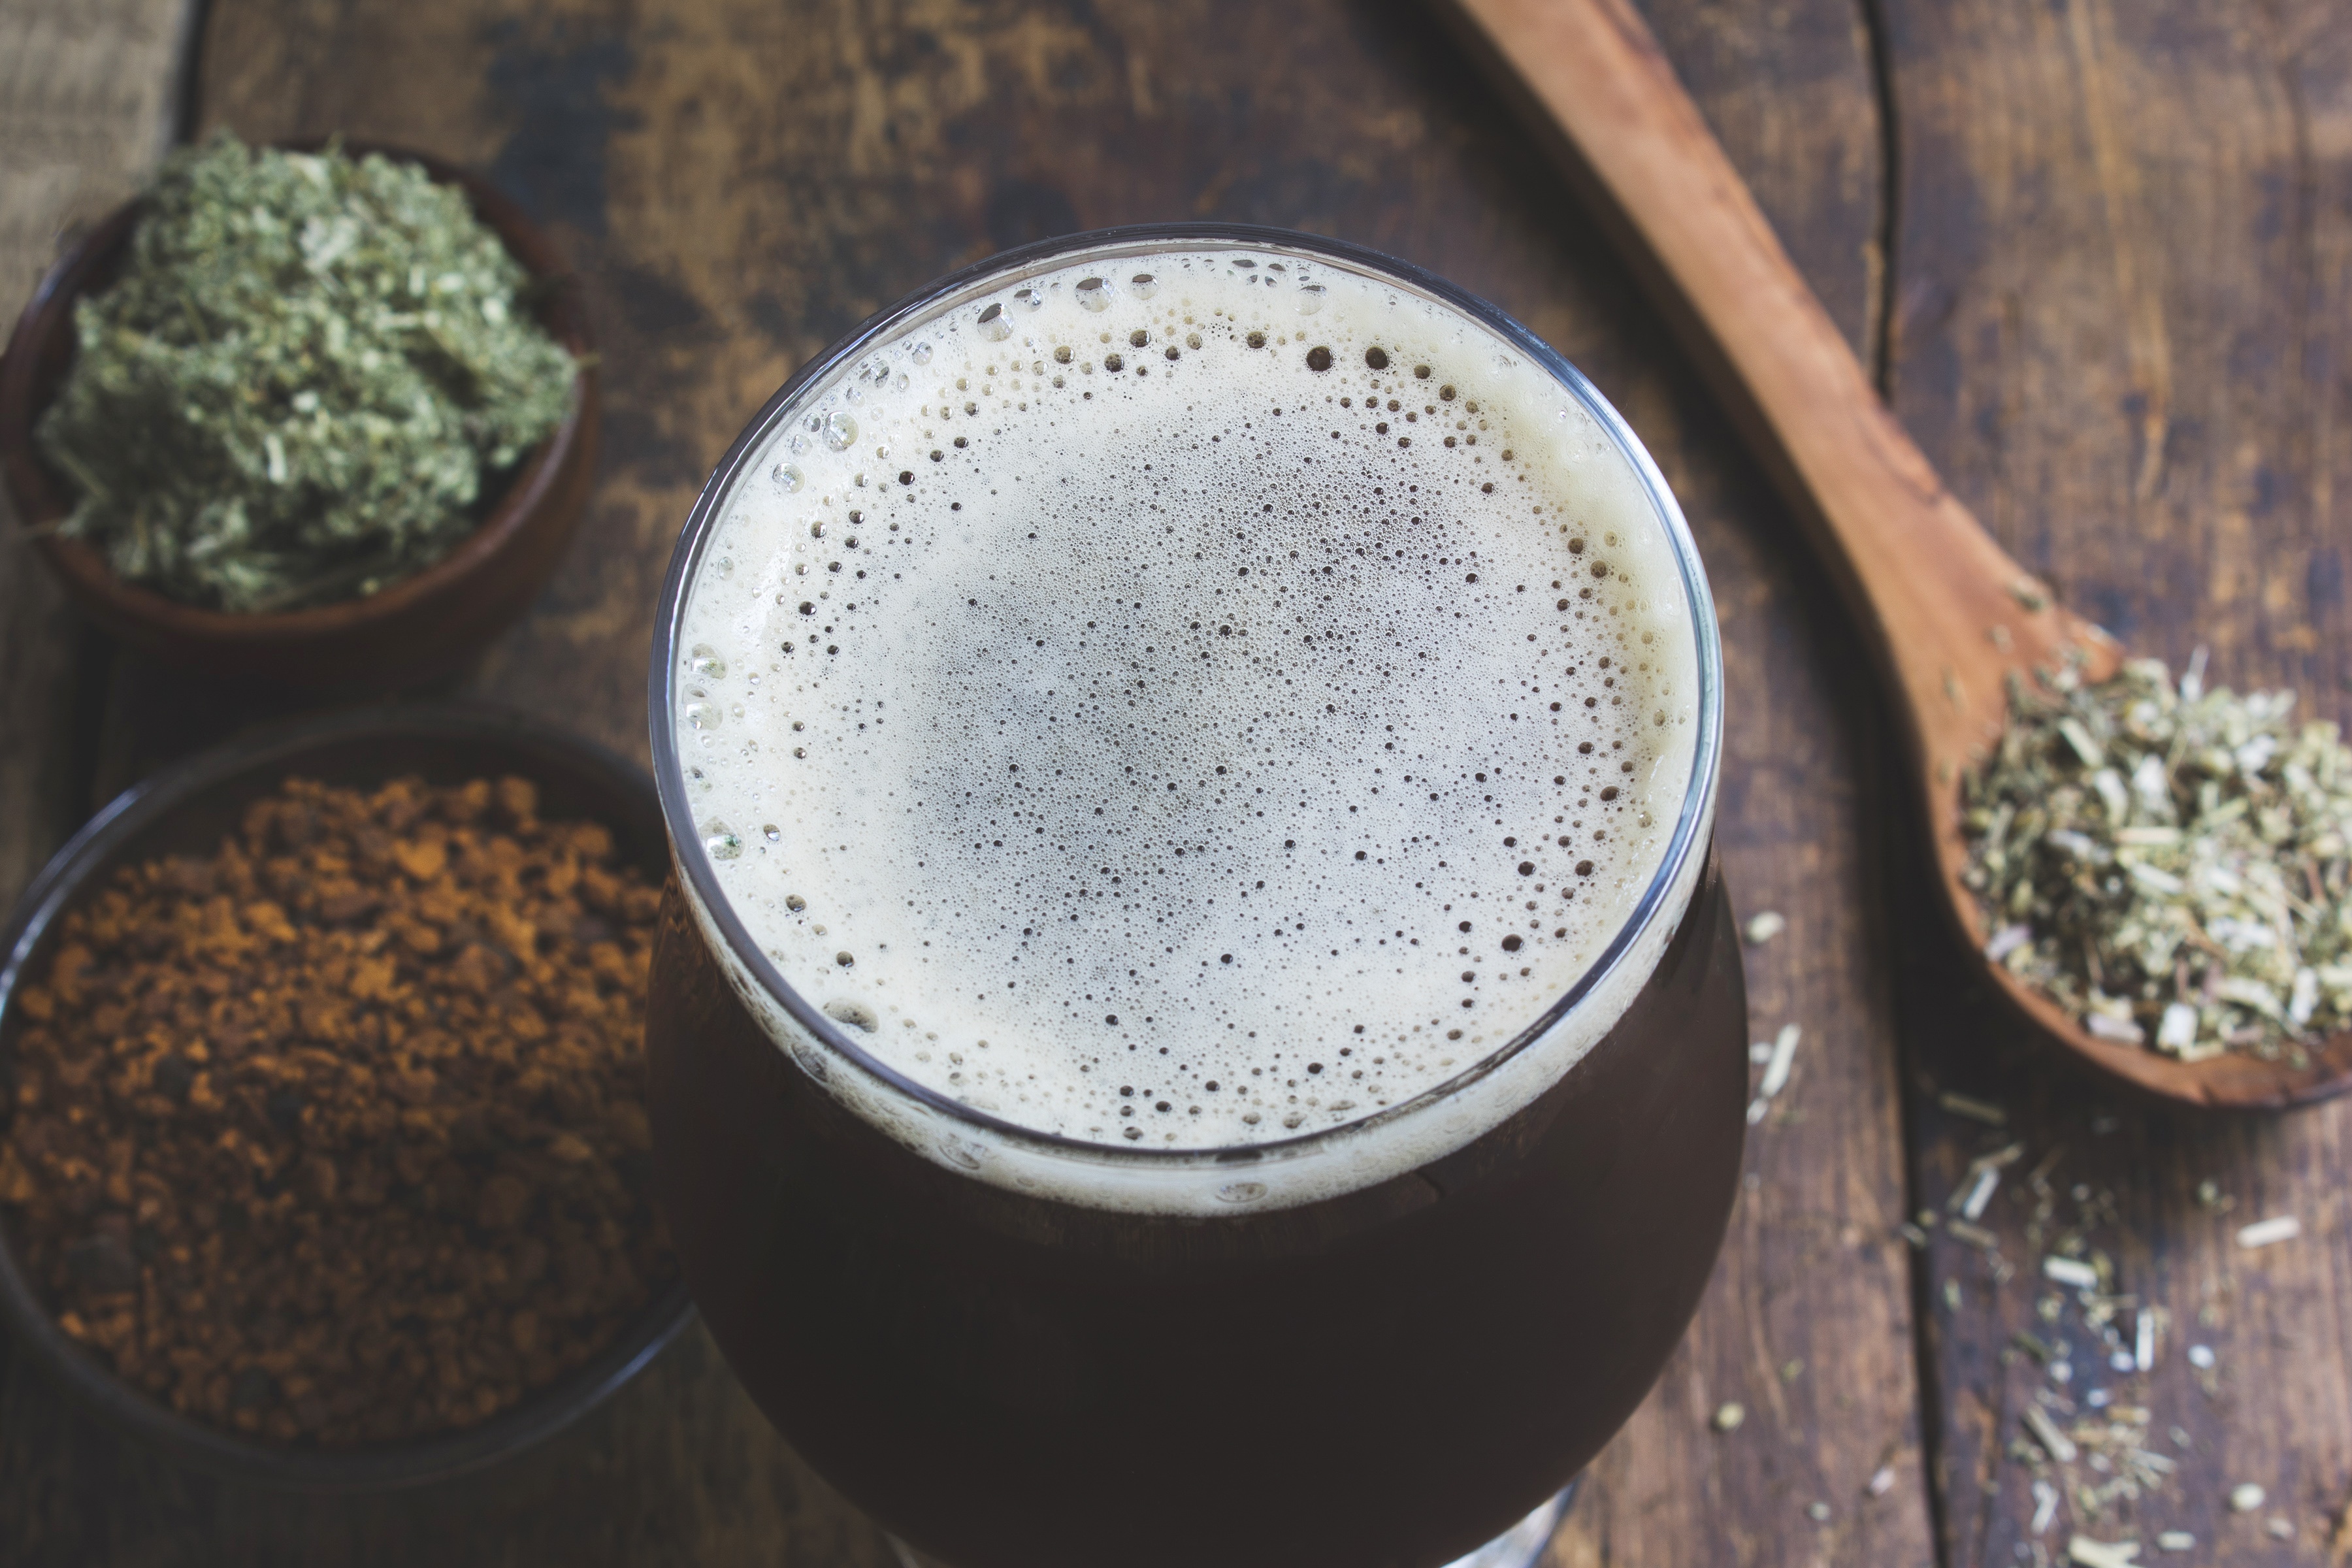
[740,182]
[2121,287]
[1808,1325]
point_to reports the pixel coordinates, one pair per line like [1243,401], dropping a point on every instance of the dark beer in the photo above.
[1197,1025]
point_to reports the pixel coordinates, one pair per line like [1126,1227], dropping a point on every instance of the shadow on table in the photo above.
[678,1468]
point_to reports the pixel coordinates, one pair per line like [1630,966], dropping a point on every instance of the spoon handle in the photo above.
[1925,582]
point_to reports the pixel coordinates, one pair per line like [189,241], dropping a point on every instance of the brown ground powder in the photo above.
[338,1136]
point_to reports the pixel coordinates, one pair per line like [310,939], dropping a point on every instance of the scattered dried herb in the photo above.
[2170,864]
[2087,1449]
[1778,1059]
[307,379]
[2086,1552]
[2269,1232]
[336,1136]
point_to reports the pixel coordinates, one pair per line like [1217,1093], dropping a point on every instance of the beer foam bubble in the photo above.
[1189,702]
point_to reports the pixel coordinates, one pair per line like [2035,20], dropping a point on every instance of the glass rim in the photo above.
[700,877]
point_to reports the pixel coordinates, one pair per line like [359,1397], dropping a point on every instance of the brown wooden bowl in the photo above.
[424,625]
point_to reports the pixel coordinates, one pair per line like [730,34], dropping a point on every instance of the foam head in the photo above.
[1188,699]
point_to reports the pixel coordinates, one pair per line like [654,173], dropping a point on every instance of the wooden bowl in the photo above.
[188,810]
[424,625]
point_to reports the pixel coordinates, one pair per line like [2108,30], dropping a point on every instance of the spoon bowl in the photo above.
[1948,617]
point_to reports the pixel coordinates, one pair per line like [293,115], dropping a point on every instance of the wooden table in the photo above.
[2100,257]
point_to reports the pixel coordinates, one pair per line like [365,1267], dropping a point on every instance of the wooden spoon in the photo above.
[1946,613]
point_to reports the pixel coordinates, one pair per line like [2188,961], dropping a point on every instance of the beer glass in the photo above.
[1024,1349]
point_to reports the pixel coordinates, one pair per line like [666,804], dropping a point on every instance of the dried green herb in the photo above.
[2168,863]
[306,384]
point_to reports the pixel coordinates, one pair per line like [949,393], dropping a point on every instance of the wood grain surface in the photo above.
[740,181]
[2119,333]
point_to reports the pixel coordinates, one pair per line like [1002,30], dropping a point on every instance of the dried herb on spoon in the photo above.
[306,384]
[2169,863]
